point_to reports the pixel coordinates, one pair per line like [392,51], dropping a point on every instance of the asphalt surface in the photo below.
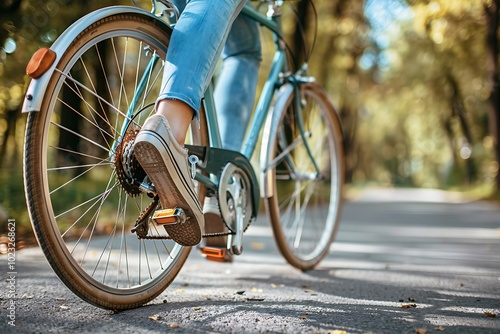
[403,262]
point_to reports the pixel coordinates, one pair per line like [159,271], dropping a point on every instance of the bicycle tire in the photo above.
[80,206]
[305,206]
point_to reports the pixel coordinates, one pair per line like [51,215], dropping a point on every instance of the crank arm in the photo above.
[235,242]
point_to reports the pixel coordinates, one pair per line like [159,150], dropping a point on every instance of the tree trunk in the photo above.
[458,110]
[494,77]
[300,42]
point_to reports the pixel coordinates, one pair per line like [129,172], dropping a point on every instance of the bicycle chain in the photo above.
[167,237]
[141,226]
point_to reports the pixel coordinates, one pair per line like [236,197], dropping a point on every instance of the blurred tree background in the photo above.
[415,81]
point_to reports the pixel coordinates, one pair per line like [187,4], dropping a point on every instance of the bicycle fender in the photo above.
[36,90]
[269,140]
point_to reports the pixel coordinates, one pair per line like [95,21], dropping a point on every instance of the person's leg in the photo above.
[195,46]
[234,99]
[235,90]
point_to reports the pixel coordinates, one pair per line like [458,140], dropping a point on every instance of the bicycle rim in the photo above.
[80,189]
[306,205]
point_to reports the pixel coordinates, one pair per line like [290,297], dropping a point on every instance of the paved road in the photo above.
[402,262]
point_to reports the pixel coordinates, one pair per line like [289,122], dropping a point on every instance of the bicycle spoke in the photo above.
[77,177]
[121,71]
[94,123]
[110,238]
[302,215]
[89,108]
[123,248]
[80,136]
[76,153]
[77,166]
[163,242]
[96,198]
[105,75]
[92,219]
[116,109]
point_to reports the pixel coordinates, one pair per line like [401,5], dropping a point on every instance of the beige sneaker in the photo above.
[165,162]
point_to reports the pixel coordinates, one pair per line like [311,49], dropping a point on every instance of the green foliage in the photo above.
[419,114]
[23,30]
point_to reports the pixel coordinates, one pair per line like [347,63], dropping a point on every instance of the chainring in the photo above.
[234,190]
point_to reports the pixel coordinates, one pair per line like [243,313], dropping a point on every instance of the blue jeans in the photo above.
[205,30]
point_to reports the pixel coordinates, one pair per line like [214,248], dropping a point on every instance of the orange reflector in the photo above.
[40,62]
[214,254]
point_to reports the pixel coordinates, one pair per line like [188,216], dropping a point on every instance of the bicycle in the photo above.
[92,206]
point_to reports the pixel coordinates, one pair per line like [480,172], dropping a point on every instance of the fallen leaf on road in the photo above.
[336,331]
[409,305]
[303,317]
[60,299]
[420,331]
[257,246]
[174,325]
[439,328]
[154,317]
[308,291]
[489,314]
[185,284]
[274,286]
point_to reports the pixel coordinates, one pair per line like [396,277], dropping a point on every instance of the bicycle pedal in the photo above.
[216,254]
[169,216]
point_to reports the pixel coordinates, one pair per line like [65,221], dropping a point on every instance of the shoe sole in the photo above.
[173,190]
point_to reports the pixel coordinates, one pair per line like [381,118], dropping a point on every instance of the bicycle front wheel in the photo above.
[308,169]
[82,181]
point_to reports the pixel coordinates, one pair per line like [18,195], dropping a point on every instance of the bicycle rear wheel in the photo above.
[306,201]
[82,190]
